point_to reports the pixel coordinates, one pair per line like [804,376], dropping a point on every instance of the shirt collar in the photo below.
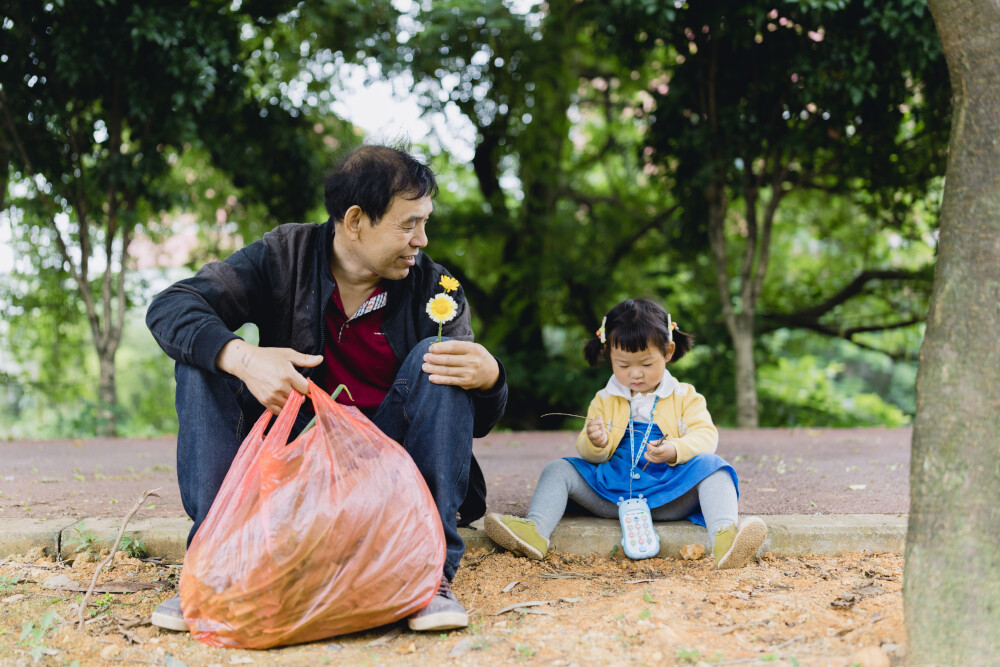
[666,387]
[377,300]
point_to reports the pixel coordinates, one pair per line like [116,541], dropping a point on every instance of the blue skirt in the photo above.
[659,483]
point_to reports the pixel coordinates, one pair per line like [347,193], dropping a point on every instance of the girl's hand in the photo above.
[597,433]
[662,451]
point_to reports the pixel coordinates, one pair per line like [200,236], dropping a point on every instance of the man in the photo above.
[339,302]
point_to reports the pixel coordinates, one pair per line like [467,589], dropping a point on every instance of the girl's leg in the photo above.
[717,497]
[558,483]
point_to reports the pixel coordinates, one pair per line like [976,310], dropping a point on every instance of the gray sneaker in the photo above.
[168,615]
[444,612]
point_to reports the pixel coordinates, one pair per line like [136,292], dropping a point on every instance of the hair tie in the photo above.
[600,332]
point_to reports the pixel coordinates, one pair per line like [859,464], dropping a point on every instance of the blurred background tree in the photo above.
[617,149]
[96,104]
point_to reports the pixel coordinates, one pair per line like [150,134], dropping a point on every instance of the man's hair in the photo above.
[371,176]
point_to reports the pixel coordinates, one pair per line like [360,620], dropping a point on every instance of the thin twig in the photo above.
[121,532]
[520,605]
[566,414]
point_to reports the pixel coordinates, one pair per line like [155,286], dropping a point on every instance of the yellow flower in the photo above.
[449,284]
[442,308]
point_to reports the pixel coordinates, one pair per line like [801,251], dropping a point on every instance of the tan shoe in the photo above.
[734,548]
[516,535]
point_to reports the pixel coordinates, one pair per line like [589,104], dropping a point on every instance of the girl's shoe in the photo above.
[734,548]
[516,535]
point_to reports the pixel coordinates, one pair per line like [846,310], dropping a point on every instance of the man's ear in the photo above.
[353,219]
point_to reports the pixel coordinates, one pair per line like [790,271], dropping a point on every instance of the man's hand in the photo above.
[597,433]
[662,451]
[461,363]
[269,372]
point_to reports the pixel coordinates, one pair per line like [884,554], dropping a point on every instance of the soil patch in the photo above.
[583,610]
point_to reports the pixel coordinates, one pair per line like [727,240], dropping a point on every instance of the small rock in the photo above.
[461,647]
[870,656]
[82,559]
[692,551]
[110,651]
[13,598]
[58,581]
[171,661]
[33,554]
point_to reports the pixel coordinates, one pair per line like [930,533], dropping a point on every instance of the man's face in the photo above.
[390,248]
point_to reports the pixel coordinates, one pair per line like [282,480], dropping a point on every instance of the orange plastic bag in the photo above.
[335,533]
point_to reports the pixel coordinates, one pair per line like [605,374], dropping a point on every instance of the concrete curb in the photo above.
[788,534]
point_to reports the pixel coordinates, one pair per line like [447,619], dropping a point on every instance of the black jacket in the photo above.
[282,284]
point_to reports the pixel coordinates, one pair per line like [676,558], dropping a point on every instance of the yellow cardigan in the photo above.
[682,416]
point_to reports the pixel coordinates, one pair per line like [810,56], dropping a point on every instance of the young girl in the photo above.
[645,433]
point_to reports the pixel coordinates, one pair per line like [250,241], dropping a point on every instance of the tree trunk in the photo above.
[746,373]
[952,583]
[107,397]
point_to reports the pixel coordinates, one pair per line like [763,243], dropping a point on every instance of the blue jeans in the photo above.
[432,422]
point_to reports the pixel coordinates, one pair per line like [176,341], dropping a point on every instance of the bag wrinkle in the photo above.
[333,534]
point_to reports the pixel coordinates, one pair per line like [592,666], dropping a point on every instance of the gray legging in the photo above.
[560,481]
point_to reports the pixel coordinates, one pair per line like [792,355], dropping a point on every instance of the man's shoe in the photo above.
[517,535]
[168,615]
[734,548]
[444,612]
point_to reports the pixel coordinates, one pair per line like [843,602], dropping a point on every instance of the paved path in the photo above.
[782,471]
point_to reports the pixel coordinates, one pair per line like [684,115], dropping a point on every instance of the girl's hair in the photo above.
[634,325]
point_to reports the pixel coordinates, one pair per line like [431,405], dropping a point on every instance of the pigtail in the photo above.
[683,342]
[593,352]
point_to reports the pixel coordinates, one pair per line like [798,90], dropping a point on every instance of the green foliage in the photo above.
[691,655]
[594,152]
[133,546]
[98,105]
[800,392]
[84,540]
[7,583]
[33,636]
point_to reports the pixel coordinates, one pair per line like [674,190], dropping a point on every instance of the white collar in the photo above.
[666,387]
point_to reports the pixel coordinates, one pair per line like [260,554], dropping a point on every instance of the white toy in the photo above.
[638,537]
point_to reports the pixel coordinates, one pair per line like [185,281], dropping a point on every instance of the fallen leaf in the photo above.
[856,487]
[846,600]
[387,637]
[509,587]
[868,590]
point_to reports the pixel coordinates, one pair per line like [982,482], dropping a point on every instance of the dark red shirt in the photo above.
[357,354]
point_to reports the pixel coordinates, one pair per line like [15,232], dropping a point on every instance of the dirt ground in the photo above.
[565,610]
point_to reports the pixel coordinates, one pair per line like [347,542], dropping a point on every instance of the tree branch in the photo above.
[114,549]
[852,289]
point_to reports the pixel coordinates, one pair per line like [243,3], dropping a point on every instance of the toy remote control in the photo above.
[638,537]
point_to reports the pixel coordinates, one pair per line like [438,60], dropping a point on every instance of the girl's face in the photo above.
[640,371]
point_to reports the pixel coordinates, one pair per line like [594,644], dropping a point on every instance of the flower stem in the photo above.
[439,332]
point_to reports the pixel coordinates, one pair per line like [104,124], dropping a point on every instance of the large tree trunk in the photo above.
[746,372]
[107,396]
[952,583]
